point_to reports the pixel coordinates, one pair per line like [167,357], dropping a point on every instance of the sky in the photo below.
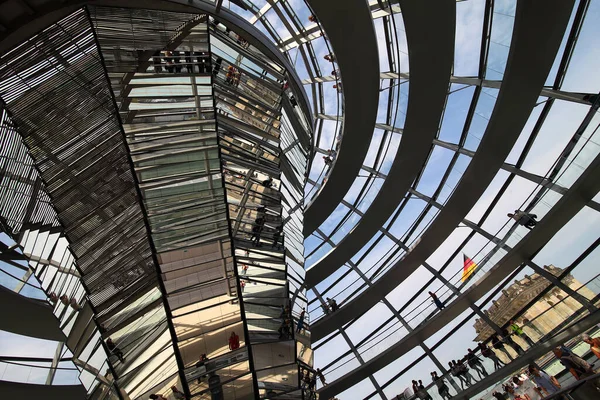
[560,124]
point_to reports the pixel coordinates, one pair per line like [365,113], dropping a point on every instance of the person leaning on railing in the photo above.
[517,330]
[593,342]
[576,365]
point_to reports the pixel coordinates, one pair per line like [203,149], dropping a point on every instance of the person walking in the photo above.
[443,389]
[437,301]
[255,237]
[464,371]
[300,324]
[424,392]
[578,367]
[234,341]
[454,370]
[498,345]
[201,362]
[475,363]
[499,396]
[268,183]
[519,332]
[526,388]
[524,219]
[276,236]
[509,391]
[178,394]
[306,380]
[507,340]
[114,349]
[549,385]
[321,376]
[332,304]
[489,353]
[284,329]
[421,393]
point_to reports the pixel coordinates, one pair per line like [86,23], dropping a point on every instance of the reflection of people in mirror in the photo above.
[234,341]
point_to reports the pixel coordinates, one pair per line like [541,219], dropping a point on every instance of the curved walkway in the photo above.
[430,30]
[350,29]
[530,356]
[24,23]
[25,316]
[582,191]
[13,390]
[537,34]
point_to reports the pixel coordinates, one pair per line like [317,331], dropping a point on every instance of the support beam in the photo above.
[586,187]
[13,390]
[462,80]
[430,32]
[28,317]
[361,98]
[538,31]
[55,362]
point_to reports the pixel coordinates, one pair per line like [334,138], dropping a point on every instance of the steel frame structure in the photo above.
[358,271]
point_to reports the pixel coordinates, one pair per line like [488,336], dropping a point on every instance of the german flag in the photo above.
[468,268]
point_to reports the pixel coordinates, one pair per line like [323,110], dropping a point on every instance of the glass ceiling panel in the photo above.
[554,136]
[439,160]
[581,75]
[469,25]
[455,113]
[504,19]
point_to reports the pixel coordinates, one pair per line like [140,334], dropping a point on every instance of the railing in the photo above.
[573,387]
[29,372]
[488,364]
[560,326]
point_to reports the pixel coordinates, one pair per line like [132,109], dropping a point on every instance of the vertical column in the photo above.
[265,221]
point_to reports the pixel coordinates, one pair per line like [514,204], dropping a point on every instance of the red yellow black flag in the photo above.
[468,268]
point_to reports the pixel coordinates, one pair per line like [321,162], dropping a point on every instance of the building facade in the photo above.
[538,319]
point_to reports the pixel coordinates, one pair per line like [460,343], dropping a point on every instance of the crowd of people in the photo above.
[285,328]
[193,62]
[330,306]
[64,299]
[309,382]
[233,76]
[533,384]
[259,225]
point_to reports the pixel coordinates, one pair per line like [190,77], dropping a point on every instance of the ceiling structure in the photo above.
[432,146]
